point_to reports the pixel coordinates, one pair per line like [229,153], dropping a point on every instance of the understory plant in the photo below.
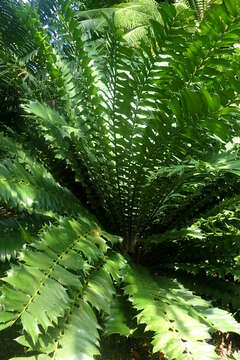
[119,183]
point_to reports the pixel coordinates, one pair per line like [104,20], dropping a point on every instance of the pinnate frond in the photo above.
[181,321]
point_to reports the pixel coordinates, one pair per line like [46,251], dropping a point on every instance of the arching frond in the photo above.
[13,233]
[133,17]
[27,185]
[150,134]
[54,299]
[167,308]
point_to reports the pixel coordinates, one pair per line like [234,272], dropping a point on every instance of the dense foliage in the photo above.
[103,137]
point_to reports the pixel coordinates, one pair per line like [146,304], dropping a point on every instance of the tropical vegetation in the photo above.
[119,178]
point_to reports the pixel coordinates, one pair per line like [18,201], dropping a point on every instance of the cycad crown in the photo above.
[150,136]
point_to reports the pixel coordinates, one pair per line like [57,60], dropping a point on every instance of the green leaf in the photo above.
[80,339]
[180,320]
[118,319]
[37,294]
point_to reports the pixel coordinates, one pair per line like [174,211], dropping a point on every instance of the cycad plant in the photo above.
[133,17]
[150,137]
[199,6]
